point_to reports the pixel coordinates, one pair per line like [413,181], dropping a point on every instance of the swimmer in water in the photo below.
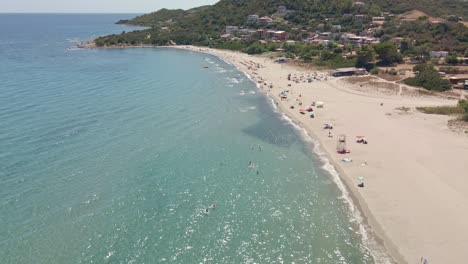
[213,206]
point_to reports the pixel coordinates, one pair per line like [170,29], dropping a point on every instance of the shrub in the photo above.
[460,108]
[441,110]
[374,71]
[428,78]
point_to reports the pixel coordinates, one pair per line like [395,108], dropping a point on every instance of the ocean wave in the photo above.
[247,109]
[73,40]
[233,80]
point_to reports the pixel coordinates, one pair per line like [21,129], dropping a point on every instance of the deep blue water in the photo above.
[113,156]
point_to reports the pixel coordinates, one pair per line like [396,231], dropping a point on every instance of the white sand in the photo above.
[416,179]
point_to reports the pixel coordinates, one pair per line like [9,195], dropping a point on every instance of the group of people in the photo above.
[314,76]
[207,210]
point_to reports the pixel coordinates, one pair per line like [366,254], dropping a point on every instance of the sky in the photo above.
[96,6]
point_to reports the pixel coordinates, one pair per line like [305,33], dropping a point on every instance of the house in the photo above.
[246,31]
[226,36]
[360,16]
[270,33]
[336,27]
[349,71]
[262,33]
[458,79]
[359,3]
[396,40]
[350,38]
[326,35]
[281,35]
[368,40]
[438,54]
[282,10]
[378,20]
[251,19]
[265,20]
[231,29]
[462,60]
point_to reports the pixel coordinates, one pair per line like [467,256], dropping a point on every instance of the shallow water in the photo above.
[115,155]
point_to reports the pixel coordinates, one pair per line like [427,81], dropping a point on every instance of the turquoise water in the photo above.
[113,156]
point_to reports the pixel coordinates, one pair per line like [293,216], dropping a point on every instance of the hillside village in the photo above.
[383,42]
[259,29]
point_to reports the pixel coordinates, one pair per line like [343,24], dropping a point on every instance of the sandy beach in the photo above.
[414,167]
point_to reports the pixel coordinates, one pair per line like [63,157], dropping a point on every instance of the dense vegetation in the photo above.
[460,109]
[203,26]
[428,78]
[422,36]
[204,23]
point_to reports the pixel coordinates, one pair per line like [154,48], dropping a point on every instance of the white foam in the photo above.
[378,253]
[233,80]
[273,103]
[73,40]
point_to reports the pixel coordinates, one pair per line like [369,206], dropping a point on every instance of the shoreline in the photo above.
[402,186]
[355,202]
[415,197]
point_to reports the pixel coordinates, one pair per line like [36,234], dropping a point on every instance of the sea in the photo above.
[154,156]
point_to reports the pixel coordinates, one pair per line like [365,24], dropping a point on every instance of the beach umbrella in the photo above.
[360,178]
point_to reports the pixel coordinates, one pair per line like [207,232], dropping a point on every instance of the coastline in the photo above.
[380,246]
[415,197]
[392,235]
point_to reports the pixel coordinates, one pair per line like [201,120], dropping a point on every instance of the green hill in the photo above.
[235,11]
[204,25]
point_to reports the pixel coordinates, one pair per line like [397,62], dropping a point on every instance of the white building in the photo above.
[252,19]
[231,29]
[265,20]
[282,10]
[337,27]
[438,54]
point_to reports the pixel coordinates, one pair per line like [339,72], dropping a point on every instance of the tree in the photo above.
[452,59]
[365,56]
[406,46]
[388,53]
[428,78]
